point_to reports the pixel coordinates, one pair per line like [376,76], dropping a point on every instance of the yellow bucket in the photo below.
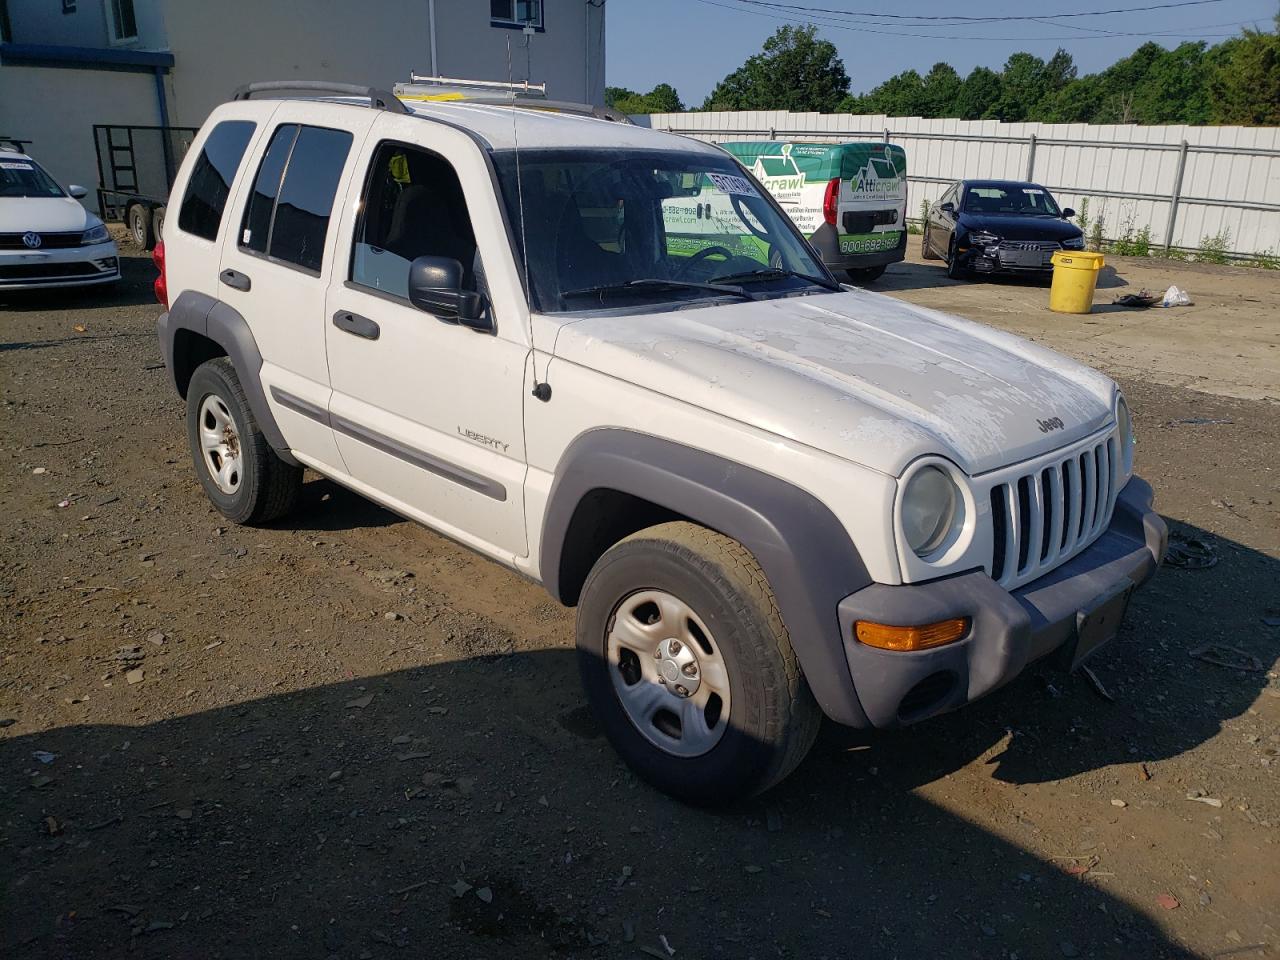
[1075,274]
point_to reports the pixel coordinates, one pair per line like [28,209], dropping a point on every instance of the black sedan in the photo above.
[998,226]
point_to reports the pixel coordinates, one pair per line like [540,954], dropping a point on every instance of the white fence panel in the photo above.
[1183,184]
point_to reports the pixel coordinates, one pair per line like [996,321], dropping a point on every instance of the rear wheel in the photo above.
[866,274]
[926,251]
[688,666]
[239,471]
[157,225]
[138,220]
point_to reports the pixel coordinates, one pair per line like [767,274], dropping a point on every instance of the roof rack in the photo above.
[378,99]
[13,144]
[497,93]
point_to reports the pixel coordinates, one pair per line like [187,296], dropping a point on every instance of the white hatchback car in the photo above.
[47,238]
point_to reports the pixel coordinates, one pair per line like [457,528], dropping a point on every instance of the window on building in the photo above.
[210,183]
[413,207]
[287,216]
[121,20]
[516,13]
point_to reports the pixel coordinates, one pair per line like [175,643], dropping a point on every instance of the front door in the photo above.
[427,414]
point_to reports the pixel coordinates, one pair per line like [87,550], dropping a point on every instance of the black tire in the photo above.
[772,719]
[157,226]
[926,251]
[266,487]
[862,275]
[138,220]
[954,270]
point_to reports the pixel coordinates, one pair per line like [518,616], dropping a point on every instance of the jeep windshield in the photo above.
[634,228]
[20,177]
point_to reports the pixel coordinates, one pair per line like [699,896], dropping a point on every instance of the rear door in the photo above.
[276,262]
[873,197]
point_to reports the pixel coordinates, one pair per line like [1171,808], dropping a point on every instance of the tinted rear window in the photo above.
[210,182]
[287,217]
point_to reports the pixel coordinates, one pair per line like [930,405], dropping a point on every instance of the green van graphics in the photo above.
[849,199]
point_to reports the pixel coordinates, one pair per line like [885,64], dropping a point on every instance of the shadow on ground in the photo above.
[917,276]
[471,809]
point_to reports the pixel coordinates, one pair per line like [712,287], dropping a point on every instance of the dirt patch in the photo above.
[296,774]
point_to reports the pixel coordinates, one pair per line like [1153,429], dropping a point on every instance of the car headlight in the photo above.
[96,234]
[982,238]
[932,510]
[1073,243]
[1124,420]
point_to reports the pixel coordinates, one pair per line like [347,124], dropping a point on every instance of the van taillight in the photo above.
[161,285]
[831,201]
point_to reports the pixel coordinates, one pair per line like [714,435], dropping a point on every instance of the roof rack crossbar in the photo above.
[378,99]
[524,87]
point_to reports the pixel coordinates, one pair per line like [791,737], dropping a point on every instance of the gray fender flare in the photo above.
[225,326]
[803,549]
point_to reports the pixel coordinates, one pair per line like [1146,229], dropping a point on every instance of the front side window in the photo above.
[1010,200]
[287,216]
[413,207]
[621,227]
[211,179]
[122,20]
[20,177]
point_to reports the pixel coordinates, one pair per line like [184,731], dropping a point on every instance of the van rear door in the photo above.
[873,197]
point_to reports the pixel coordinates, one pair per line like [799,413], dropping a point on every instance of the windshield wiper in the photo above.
[656,283]
[773,273]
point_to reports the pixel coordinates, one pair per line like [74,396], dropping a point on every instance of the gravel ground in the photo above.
[344,736]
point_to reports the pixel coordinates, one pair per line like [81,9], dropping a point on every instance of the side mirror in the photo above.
[1068,213]
[435,285]
[948,208]
[77,191]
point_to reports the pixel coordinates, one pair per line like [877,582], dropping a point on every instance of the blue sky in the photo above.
[692,44]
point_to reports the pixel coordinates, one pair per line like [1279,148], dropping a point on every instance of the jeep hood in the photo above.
[856,374]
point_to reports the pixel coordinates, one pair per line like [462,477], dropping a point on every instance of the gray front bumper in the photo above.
[1009,630]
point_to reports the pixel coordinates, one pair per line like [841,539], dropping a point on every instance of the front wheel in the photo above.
[865,274]
[138,220]
[689,668]
[239,471]
[954,270]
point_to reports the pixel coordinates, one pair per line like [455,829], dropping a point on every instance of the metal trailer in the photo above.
[136,168]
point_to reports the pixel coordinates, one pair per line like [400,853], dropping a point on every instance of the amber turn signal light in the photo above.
[923,637]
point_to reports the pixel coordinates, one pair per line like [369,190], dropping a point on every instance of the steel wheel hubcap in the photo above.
[668,673]
[220,444]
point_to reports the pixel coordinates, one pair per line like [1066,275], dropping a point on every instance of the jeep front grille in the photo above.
[1044,514]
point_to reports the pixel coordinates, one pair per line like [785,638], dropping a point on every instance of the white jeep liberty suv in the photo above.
[769,496]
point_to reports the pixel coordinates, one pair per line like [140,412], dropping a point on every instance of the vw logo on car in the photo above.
[32,240]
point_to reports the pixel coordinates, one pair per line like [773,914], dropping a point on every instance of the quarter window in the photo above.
[287,216]
[413,207]
[210,183]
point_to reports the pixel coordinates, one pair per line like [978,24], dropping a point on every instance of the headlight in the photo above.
[1125,422]
[932,509]
[981,238]
[96,234]
[1073,243]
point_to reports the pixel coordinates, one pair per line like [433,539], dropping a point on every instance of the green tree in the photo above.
[939,90]
[980,89]
[795,71]
[661,99]
[1244,79]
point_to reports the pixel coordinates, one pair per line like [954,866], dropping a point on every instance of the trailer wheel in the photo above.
[138,220]
[157,226]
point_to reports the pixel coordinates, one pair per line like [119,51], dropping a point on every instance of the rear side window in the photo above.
[210,183]
[287,216]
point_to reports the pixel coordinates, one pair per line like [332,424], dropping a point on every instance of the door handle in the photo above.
[355,324]
[235,280]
